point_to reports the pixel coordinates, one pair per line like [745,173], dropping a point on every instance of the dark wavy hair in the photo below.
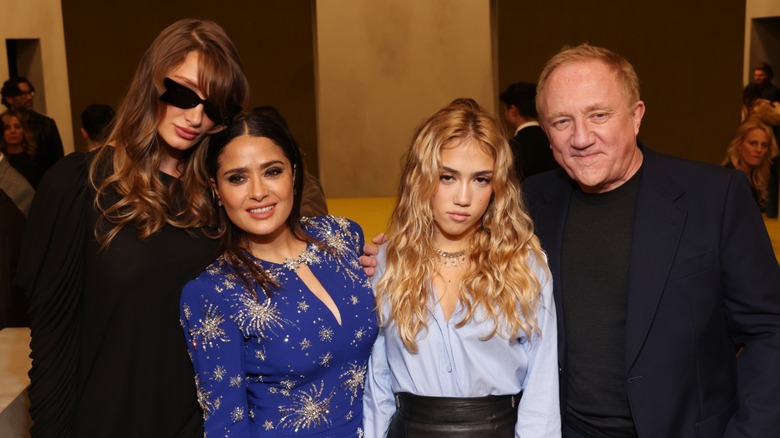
[232,238]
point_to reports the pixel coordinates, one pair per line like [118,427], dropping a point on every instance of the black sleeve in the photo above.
[51,273]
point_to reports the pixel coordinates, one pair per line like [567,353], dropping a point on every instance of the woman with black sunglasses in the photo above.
[111,239]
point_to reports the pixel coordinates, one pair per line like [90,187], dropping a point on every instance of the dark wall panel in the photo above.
[688,55]
[105,41]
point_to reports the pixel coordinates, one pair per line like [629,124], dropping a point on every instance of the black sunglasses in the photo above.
[182,97]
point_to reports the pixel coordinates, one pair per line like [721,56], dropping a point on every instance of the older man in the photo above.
[662,270]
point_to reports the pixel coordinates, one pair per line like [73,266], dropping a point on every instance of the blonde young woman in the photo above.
[111,239]
[468,342]
[751,151]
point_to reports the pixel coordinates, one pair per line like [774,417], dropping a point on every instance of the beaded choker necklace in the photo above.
[452,259]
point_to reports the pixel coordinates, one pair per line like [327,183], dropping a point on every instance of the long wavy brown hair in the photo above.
[125,175]
[499,280]
[28,144]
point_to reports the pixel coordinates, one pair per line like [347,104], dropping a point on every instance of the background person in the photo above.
[530,145]
[18,94]
[751,151]
[762,76]
[96,120]
[467,344]
[18,146]
[285,314]
[111,239]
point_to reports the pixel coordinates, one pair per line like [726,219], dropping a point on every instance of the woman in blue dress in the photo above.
[281,325]
[468,342]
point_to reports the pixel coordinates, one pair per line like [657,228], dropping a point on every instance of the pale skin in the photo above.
[460,202]
[181,129]
[254,182]
[753,150]
[13,135]
[591,125]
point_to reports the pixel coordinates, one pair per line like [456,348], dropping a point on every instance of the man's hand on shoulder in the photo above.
[367,260]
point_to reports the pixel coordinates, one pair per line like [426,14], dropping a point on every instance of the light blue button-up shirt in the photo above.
[459,362]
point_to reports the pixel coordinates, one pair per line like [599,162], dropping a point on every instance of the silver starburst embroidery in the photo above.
[205,402]
[307,409]
[229,284]
[360,333]
[325,359]
[260,354]
[268,425]
[259,317]
[360,432]
[235,382]
[326,334]
[287,384]
[219,373]
[209,329]
[355,379]
[337,242]
[349,415]
[302,306]
[237,414]
[309,256]
[354,300]
[305,344]
[187,312]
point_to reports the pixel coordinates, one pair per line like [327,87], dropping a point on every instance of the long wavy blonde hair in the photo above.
[129,190]
[498,280]
[759,177]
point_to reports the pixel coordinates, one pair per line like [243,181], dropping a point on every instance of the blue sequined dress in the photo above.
[284,366]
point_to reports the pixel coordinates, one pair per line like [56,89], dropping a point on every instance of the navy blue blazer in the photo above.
[703,280]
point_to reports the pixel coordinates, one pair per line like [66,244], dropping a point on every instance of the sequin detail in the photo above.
[307,409]
[286,350]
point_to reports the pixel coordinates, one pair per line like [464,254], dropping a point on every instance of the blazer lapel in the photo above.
[658,225]
[549,223]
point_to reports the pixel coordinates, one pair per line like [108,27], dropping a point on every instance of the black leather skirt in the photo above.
[451,417]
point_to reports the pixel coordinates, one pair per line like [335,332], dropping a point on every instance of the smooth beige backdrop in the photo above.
[382,67]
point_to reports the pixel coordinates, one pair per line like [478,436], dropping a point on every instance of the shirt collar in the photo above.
[526,125]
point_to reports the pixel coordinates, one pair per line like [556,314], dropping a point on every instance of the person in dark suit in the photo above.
[17,94]
[762,76]
[529,144]
[662,269]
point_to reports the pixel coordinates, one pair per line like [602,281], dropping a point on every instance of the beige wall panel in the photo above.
[383,66]
[42,20]
[760,50]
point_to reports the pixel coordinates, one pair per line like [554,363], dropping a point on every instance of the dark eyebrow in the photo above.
[245,169]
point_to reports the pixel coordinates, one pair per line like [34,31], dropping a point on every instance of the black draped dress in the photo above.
[109,356]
